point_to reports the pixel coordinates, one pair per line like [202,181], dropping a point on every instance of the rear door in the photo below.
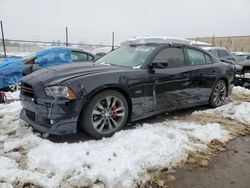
[203,73]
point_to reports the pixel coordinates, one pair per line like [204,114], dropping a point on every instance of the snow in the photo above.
[118,161]
[12,95]
[236,110]
[200,43]
[239,111]
[242,90]
[16,54]
[155,39]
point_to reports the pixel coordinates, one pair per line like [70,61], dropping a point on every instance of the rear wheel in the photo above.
[105,114]
[218,94]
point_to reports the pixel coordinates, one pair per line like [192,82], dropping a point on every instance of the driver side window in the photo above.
[173,57]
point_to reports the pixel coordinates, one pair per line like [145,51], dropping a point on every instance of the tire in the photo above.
[218,94]
[14,83]
[105,114]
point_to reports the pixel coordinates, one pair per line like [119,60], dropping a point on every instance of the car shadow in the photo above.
[80,136]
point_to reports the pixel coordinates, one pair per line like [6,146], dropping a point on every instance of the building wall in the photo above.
[233,43]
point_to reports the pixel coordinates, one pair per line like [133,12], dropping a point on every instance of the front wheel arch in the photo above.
[125,93]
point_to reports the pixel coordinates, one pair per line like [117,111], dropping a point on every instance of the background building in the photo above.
[233,43]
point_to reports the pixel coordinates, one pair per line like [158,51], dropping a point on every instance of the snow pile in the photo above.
[239,111]
[13,95]
[241,90]
[124,158]
[118,161]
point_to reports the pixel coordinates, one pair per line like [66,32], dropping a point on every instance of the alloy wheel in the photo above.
[108,114]
[219,94]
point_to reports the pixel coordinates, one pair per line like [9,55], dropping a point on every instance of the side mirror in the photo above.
[248,57]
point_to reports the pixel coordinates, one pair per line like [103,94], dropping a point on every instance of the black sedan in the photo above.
[136,81]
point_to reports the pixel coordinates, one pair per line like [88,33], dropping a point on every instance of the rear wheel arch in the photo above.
[218,93]
[226,81]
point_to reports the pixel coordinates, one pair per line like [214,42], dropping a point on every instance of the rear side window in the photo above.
[214,52]
[223,53]
[80,56]
[173,56]
[208,59]
[196,57]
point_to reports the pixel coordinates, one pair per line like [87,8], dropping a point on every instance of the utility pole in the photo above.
[213,40]
[4,49]
[67,37]
[113,41]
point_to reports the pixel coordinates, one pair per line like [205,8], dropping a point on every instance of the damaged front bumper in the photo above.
[51,116]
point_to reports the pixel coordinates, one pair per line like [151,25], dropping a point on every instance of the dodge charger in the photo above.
[142,78]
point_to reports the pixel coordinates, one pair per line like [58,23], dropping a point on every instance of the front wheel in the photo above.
[14,83]
[105,114]
[218,94]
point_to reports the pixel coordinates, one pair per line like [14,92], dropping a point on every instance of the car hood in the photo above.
[61,73]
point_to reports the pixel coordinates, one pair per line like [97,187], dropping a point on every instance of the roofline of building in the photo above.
[197,38]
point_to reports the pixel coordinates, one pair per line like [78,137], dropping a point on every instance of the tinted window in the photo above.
[173,56]
[214,52]
[90,58]
[208,59]
[79,56]
[223,53]
[196,57]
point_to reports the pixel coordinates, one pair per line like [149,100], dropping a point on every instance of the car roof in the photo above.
[214,48]
[155,40]
[72,49]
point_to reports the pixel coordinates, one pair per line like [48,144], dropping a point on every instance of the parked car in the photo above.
[221,53]
[243,60]
[54,56]
[144,77]
[12,69]
[225,56]
[241,56]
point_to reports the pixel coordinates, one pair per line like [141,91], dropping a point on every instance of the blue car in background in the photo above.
[13,69]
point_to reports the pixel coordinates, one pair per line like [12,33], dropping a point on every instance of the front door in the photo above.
[169,79]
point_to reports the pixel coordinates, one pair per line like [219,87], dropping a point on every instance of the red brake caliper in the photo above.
[114,107]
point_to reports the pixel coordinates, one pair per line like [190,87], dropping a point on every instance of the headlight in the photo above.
[60,92]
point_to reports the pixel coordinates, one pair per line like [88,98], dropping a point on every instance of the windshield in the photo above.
[129,56]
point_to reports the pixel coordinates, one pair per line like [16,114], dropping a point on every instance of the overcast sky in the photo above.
[94,20]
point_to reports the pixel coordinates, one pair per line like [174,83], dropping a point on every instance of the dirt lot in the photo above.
[229,169]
